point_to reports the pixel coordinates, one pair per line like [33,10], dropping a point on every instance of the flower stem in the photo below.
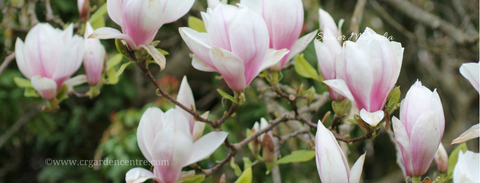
[417,179]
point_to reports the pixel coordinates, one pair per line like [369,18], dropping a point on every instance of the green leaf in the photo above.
[246,176]
[111,79]
[453,158]
[297,156]
[393,99]
[163,51]
[31,92]
[227,96]
[237,170]
[304,69]
[120,45]
[247,163]
[96,19]
[196,24]
[114,61]
[122,68]
[62,93]
[195,179]
[22,83]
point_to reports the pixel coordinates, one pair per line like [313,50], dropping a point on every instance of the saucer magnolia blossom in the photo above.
[367,71]
[165,137]
[332,165]
[284,20]
[49,57]
[467,168]
[235,45]
[420,128]
[140,21]
[94,57]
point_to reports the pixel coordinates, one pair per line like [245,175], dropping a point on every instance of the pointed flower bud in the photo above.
[366,72]
[441,159]
[185,96]
[420,128]
[235,45]
[327,22]
[467,168]
[49,57]
[84,10]
[94,57]
[165,140]
[332,165]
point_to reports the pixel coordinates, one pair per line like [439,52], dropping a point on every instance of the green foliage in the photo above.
[96,19]
[227,96]
[196,24]
[304,69]
[393,99]
[246,176]
[195,179]
[297,156]
[453,158]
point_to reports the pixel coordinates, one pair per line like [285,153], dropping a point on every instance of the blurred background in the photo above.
[438,37]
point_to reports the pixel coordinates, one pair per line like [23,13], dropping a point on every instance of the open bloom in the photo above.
[441,159]
[284,20]
[165,140]
[94,57]
[332,165]
[367,71]
[470,71]
[467,168]
[140,21]
[49,57]
[328,51]
[235,45]
[420,128]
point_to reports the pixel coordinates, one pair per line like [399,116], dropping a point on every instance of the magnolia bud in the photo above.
[84,10]
[268,148]
[441,158]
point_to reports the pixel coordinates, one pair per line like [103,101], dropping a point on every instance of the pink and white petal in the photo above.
[327,22]
[202,66]
[206,17]
[75,81]
[272,58]
[174,146]
[137,175]
[176,117]
[185,97]
[218,24]
[70,59]
[110,33]
[372,118]
[198,128]
[249,40]
[21,59]
[150,125]
[357,168]
[230,67]
[45,86]
[67,34]
[471,133]
[471,72]
[424,141]
[142,19]
[301,44]
[284,20]
[115,10]
[417,98]
[436,104]
[206,145]
[326,61]
[403,141]
[340,87]
[156,55]
[198,43]
[42,46]
[174,9]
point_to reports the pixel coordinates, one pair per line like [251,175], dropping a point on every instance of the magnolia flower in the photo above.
[185,96]
[367,71]
[441,159]
[470,71]
[466,170]
[165,140]
[327,22]
[420,128]
[235,45]
[140,21]
[94,57]
[328,51]
[332,165]
[284,20]
[49,57]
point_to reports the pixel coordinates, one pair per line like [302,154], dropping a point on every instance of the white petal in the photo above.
[327,22]
[45,86]
[467,168]
[115,10]
[21,59]
[150,125]
[230,66]
[174,9]
[403,142]
[156,55]
[273,57]
[424,140]
[340,87]
[69,59]
[206,145]
[67,34]
[137,175]
[471,72]
[202,66]
[198,43]
[75,81]
[175,117]
[372,118]
[110,33]
[185,97]
[357,168]
[470,134]
[301,44]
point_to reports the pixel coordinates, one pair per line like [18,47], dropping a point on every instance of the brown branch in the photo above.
[348,140]
[389,19]
[432,21]
[7,61]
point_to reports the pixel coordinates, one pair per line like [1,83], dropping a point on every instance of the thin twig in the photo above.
[7,61]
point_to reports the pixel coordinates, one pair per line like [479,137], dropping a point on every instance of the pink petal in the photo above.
[403,141]
[198,43]
[150,125]
[217,28]
[115,10]
[230,67]
[45,86]
[185,97]
[94,57]
[301,44]
[174,9]
[110,33]
[70,59]
[142,19]
[339,86]
[424,140]
[21,59]
[272,58]
[416,102]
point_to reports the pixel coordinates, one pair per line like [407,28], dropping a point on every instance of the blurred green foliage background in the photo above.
[105,127]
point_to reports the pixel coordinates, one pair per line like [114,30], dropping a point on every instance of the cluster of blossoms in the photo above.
[240,42]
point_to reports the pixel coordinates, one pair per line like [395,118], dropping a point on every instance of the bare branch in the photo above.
[7,61]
